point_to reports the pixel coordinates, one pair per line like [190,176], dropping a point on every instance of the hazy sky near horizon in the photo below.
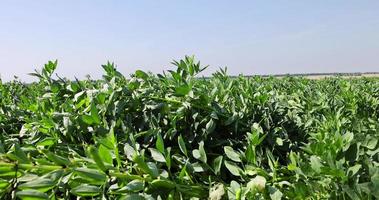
[249,37]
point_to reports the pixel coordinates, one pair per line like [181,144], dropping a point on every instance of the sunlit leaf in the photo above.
[231,154]
[233,168]
[86,190]
[31,195]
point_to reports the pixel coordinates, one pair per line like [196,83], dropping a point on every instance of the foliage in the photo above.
[177,136]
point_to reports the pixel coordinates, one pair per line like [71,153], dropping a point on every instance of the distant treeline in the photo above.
[327,74]
[312,74]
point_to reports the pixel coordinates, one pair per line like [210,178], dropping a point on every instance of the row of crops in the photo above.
[179,136]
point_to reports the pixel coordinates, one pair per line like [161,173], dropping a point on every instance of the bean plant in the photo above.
[178,135]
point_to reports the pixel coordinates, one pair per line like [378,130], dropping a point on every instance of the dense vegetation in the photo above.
[177,136]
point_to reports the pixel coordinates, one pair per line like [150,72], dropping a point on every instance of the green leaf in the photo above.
[133,186]
[231,154]
[234,185]
[168,158]
[129,151]
[163,184]
[87,119]
[132,197]
[31,195]
[112,143]
[157,156]
[95,114]
[354,169]
[364,187]
[46,142]
[203,155]
[96,157]
[316,164]
[57,159]
[91,174]
[105,155]
[196,154]
[348,137]
[279,141]
[217,162]
[101,97]
[141,74]
[3,184]
[50,67]
[371,144]
[275,194]
[153,169]
[293,165]
[18,155]
[350,192]
[182,145]
[250,154]
[200,153]
[196,167]
[182,90]
[352,153]
[375,180]
[144,166]
[159,144]
[6,167]
[86,190]
[54,175]
[233,168]
[40,184]
[210,126]
[5,173]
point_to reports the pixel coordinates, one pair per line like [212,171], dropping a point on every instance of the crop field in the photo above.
[176,135]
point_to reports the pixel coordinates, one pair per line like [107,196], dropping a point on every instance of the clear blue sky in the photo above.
[250,37]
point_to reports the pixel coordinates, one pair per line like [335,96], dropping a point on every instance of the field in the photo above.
[179,136]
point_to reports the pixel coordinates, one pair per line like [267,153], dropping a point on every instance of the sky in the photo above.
[249,37]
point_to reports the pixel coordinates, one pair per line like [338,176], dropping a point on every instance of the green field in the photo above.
[179,136]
